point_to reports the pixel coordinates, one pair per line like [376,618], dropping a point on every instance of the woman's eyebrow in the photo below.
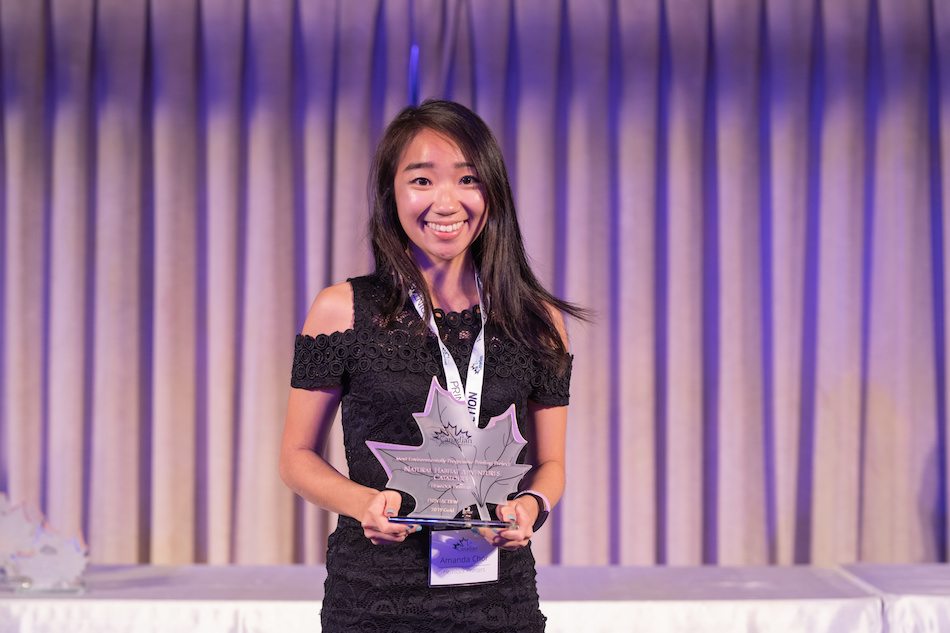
[412,166]
[429,165]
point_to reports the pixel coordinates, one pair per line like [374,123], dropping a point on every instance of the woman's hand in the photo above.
[375,521]
[524,511]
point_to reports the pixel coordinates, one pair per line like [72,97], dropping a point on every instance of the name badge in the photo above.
[459,557]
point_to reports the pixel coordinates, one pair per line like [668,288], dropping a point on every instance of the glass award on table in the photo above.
[54,565]
[457,467]
[36,558]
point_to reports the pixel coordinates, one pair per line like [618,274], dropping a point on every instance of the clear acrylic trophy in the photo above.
[457,467]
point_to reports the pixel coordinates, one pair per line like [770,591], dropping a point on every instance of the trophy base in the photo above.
[455,523]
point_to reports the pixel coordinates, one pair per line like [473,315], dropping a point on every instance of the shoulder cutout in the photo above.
[558,319]
[332,311]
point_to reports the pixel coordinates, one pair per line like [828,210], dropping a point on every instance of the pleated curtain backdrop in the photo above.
[751,194]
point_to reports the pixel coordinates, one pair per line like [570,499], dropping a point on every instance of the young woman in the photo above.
[447,247]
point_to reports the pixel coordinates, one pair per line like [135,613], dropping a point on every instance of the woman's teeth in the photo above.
[445,228]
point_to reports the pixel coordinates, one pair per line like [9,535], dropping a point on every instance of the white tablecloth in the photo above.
[160,599]
[242,599]
[916,597]
[706,599]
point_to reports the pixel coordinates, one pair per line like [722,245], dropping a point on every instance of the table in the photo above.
[916,597]
[706,599]
[165,599]
[246,599]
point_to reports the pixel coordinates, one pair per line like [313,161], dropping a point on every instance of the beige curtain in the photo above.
[752,194]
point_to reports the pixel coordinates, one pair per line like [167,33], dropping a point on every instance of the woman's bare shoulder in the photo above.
[558,320]
[331,311]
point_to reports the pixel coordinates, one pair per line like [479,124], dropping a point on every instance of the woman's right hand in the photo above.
[375,521]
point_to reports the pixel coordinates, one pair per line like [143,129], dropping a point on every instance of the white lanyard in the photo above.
[469,393]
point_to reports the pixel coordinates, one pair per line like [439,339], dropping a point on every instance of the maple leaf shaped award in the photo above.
[458,464]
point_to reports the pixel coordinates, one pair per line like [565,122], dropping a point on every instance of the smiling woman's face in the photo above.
[439,199]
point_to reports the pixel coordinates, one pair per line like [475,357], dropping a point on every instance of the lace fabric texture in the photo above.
[385,369]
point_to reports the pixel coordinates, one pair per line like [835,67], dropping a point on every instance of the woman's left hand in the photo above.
[524,511]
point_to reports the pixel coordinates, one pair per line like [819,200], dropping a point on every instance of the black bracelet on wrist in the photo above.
[544,507]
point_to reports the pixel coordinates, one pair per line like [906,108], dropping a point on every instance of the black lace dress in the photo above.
[385,371]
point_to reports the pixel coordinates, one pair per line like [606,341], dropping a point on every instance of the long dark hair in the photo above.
[518,301]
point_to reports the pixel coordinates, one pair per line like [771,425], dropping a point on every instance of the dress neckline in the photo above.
[454,319]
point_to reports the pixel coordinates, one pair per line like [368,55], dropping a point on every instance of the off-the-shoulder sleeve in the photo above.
[320,361]
[551,388]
